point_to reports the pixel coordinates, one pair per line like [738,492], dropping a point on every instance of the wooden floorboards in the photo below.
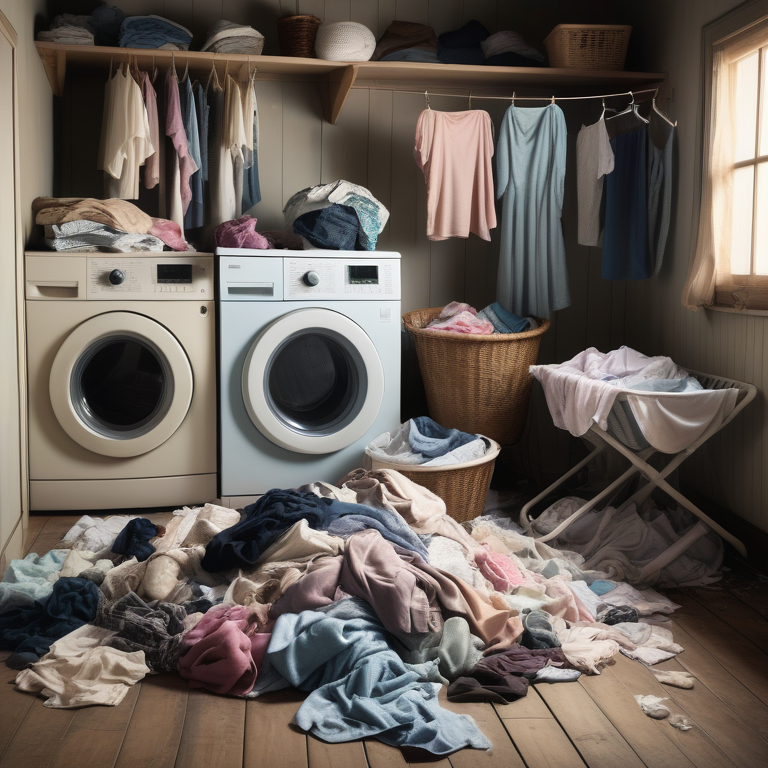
[593,723]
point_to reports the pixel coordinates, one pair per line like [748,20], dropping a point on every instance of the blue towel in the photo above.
[134,539]
[241,545]
[601,586]
[361,688]
[431,440]
[503,321]
[152,32]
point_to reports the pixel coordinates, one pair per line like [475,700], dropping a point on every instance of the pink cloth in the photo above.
[449,310]
[455,151]
[240,233]
[463,322]
[170,233]
[498,569]
[152,163]
[174,127]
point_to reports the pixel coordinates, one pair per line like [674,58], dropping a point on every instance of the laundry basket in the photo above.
[478,384]
[463,487]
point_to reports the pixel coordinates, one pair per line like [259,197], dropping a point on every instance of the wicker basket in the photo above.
[600,46]
[297,35]
[477,384]
[463,487]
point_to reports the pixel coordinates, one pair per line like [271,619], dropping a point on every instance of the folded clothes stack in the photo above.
[154,32]
[113,225]
[457,317]
[69,29]
[462,46]
[407,41]
[508,49]
[336,216]
[228,37]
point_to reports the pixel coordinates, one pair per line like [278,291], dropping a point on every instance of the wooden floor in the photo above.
[594,722]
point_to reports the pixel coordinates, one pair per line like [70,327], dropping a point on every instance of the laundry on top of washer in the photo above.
[371,216]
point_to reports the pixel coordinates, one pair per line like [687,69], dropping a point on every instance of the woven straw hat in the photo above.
[345,41]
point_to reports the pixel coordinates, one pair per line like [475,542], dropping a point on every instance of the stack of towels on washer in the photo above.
[366,595]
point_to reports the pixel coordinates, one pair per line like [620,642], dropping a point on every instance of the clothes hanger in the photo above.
[470,99]
[660,112]
[631,109]
[186,72]
[426,99]
[514,93]
[154,70]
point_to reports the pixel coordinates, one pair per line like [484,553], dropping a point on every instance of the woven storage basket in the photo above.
[297,35]
[478,384]
[345,41]
[463,487]
[600,46]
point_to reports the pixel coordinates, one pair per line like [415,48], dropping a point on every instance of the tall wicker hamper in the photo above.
[463,487]
[477,384]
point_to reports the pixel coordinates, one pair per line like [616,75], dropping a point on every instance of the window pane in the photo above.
[746,106]
[764,118]
[741,234]
[761,239]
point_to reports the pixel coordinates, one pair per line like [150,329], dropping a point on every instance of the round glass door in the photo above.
[313,381]
[120,384]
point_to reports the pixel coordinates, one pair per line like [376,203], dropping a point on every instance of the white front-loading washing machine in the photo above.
[309,364]
[121,370]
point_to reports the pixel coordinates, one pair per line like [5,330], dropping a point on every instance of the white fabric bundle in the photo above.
[345,41]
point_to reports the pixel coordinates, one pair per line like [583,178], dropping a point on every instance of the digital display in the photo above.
[363,274]
[174,273]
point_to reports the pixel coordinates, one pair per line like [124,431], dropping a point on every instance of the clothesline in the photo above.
[513,97]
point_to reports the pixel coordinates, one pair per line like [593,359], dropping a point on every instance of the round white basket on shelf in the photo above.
[345,41]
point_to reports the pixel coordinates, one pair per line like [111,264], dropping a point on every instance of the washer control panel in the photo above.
[171,278]
[341,278]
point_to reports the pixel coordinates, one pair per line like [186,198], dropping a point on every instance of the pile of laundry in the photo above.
[458,317]
[423,441]
[113,225]
[367,595]
[472,44]
[154,32]
[339,216]
[102,27]
[228,37]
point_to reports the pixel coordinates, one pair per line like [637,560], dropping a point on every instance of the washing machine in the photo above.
[309,364]
[121,354]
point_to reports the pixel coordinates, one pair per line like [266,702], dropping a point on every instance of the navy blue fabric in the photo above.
[471,34]
[469,55]
[431,440]
[422,55]
[335,227]
[503,321]
[146,32]
[512,59]
[277,510]
[134,539]
[33,628]
[626,255]
[105,22]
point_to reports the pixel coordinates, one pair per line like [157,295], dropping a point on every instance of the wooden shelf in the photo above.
[337,78]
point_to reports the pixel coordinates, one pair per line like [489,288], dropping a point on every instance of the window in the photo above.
[730,266]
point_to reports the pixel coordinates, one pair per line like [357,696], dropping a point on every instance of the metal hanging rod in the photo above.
[513,97]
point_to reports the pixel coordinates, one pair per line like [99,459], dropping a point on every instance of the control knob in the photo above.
[311,278]
[116,277]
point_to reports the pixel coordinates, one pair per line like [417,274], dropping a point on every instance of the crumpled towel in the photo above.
[30,579]
[96,534]
[653,707]
[360,688]
[432,441]
[34,628]
[464,321]
[402,35]
[239,233]
[182,529]
[79,671]
[133,540]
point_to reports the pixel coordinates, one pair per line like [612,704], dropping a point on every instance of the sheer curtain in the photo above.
[711,262]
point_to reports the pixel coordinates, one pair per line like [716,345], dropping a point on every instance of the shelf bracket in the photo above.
[55,63]
[334,90]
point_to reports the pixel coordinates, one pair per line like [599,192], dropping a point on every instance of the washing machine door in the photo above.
[121,384]
[313,381]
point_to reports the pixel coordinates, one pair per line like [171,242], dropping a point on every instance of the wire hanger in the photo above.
[631,109]
[552,101]
[661,112]
[513,97]
[426,99]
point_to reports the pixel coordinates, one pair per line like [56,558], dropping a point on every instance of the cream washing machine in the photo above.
[122,380]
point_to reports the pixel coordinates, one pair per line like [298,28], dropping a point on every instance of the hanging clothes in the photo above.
[182,166]
[251,186]
[454,151]
[152,164]
[626,255]
[193,218]
[530,167]
[203,114]
[236,139]
[594,160]
[217,170]
[125,137]
[661,140]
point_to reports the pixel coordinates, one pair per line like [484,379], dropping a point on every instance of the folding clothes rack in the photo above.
[626,438]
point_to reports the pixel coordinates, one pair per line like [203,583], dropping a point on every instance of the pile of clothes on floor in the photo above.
[458,317]
[339,216]
[472,44]
[113,225]
[424,442]
[367,595]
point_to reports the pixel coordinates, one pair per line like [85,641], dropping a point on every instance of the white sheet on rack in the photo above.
[582,391]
